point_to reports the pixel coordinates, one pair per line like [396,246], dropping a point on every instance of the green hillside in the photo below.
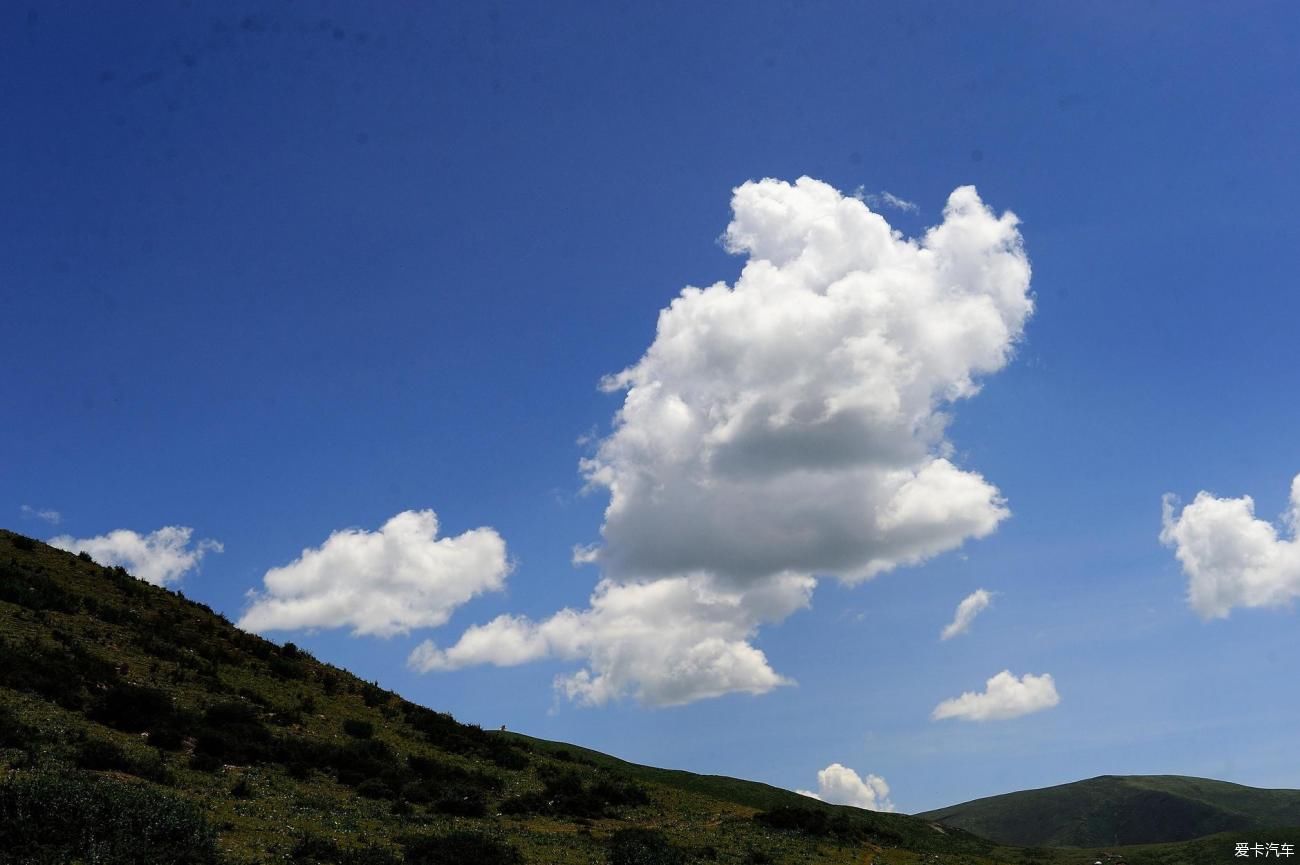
[1119,810]
[140,728]
[137,726]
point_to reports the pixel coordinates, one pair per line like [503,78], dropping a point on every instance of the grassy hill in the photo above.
[137,726]
[140,728]
[1120,810]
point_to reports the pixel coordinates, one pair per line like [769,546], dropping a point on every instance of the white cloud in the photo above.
[970,607]
[1004,697]
[50,516]
[160,557]
[1231,558]
[383,583]
[841,785]
[790,426]
[667,641]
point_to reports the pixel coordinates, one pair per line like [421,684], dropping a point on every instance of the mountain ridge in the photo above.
[1122,810]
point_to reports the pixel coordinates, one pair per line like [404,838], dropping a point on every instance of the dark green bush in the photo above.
[358,729]
[133,708]
[66,818]
[105,756]
[373,788]
[34,590]
[13,732]
[459,848]
[462,803]
[810,821]
[643,847]
[59,674]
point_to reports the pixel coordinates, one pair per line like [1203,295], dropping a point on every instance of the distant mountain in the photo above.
[137,726]
[1123,809]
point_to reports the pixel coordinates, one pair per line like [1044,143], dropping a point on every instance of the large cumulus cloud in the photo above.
[1232,558]
[787,427]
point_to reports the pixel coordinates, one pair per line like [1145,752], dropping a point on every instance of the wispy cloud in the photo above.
[50,516]
[970,607]
[1004,697]
[159,557]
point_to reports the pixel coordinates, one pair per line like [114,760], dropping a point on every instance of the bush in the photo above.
[232,732]
[106,756]
[459,848]
[13,732]
[133,708]
[462,803]
[643,847]
[34,590]
[66,818]
[373,788]
[809,821]
[564,793]
[358,729]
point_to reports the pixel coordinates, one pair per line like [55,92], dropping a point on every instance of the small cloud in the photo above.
[385,582]
[1232,558]
[1004,697]
[970,607]
[586,554]
[841,785]
[50,516]
[160,557]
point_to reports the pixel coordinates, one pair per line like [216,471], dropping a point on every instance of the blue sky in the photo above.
[275,274]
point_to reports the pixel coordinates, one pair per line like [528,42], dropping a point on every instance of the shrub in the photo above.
[459,848]
[34,590]
[106,756]
[809,821]
[358,729]
[133,708]
[643,847]
[462,803]
[13,732]
[66,818]
[202,762]
[373,788]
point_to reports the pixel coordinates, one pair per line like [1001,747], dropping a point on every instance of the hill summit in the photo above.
[1123,809]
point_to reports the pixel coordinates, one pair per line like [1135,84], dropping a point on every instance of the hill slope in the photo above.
[1117,809]
[138,726]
